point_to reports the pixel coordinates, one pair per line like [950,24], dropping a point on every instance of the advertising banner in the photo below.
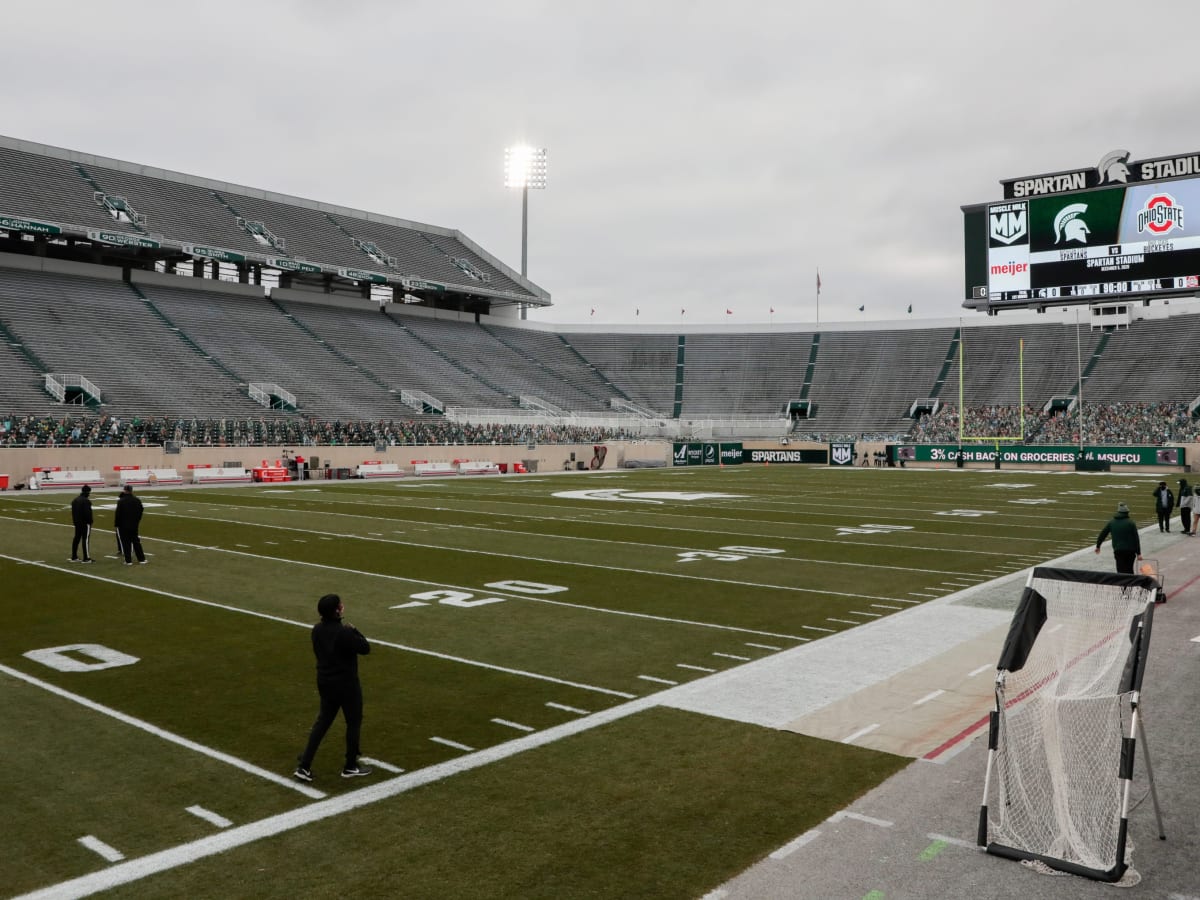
[707,454]
[1049,454]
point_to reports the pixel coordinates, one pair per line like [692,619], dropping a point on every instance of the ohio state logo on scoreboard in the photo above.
[1160,214]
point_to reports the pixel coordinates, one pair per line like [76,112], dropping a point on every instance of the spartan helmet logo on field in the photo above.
[1069,224]
[1113,167]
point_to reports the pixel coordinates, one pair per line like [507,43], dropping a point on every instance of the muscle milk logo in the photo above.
[1160,214]
[1008,223]
[841,454]
[1113,167]
[1069,224]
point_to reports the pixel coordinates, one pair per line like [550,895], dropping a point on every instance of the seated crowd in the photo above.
[1117,423]
[1146,424]
[91,431]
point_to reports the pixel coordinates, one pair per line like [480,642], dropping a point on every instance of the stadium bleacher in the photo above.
[161,345]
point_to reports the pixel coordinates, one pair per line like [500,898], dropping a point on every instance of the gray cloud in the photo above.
[702,155]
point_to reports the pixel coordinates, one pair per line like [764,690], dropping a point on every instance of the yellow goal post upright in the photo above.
[994,439]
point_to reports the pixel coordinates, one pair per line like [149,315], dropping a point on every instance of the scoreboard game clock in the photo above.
[1119,231]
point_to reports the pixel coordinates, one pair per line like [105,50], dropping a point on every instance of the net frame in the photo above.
[1062,736]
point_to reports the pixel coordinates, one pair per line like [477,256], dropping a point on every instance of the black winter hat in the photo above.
[86,489]
[328,605]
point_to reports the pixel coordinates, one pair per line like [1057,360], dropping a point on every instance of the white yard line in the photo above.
[260,615]
[219,756]
[93,843]
[209,816]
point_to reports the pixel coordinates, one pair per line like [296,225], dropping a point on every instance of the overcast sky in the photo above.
[703,156]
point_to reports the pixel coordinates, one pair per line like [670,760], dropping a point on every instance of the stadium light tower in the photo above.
[525,168]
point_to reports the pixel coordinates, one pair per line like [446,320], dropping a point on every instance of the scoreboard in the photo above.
[1055,240]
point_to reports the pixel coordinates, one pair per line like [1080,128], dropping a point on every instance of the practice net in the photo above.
[1062,736]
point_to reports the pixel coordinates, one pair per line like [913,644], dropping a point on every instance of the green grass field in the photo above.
[521,627]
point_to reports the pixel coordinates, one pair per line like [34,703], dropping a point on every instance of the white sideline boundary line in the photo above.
[248,768]
[135,869]
[272,618]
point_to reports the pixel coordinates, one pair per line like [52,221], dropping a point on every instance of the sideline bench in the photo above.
[435,468]
[215,475]
[477,467]
[379,470]
[68,478]
[144,477]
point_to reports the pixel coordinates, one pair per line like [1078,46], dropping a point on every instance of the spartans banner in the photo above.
[1050,454]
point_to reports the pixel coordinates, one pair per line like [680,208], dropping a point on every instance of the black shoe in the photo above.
[302,774]
[356,771]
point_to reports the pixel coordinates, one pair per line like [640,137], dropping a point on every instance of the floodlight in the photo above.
[525,167]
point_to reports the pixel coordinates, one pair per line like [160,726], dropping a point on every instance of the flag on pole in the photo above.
[818,281]
[593,310]
[772,310]
[910,309]
[729,312]
[637,312]
[682,311]
[862,308]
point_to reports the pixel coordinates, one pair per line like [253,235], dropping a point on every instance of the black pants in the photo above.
[1164,519]
[1125,560]
[128,540]
[348,699]
[1185,519]
[83,535]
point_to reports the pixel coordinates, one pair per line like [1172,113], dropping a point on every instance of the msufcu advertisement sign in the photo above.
[707,454]
[1051,454]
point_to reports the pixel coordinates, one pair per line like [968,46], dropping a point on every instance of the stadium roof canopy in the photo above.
[66,204]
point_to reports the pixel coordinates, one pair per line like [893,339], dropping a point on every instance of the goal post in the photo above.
[1065,724]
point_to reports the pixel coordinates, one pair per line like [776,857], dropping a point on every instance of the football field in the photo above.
[524,632]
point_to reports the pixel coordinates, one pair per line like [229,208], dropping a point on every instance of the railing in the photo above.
[57,385]
[629,406]
[265,394]
[526,401]
[419,400]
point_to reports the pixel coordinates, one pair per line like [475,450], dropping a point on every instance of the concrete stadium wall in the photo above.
[19,463]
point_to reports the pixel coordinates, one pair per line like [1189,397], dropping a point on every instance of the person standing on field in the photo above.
[81,517]
[337,646]
[1126,542]
[126,519]
[1187,505]
[1164,502]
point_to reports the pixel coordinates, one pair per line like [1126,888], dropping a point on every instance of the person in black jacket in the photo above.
[1126,541]
[126,519]
[337,646]
[81,516]
[1164,502]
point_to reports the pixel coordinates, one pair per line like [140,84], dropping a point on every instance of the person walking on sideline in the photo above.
[1126,542]
[337,646]
[1187,505]
[126,519]
[81,516]
[1164,502]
